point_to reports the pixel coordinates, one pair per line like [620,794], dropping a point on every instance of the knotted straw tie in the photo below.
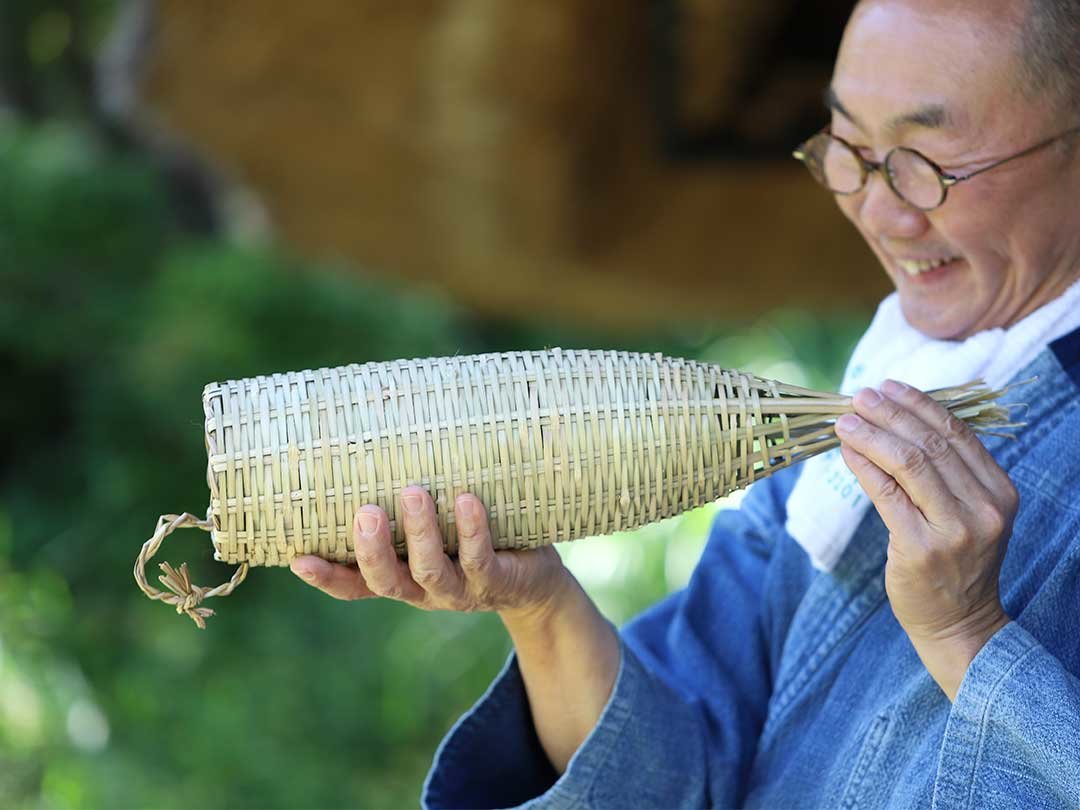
[184,595]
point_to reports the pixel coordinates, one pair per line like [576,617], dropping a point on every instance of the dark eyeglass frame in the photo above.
[945,180]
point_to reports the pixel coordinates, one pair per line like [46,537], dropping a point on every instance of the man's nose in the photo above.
[883,213]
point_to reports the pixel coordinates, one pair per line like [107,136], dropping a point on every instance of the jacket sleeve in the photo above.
[1013,734]
[686,709]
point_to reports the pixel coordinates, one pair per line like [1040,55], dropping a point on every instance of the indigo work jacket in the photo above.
[767,683]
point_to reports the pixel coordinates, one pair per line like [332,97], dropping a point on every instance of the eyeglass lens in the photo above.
[911,176]
[914,179]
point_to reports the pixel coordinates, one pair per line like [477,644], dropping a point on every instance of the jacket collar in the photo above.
[1067,350]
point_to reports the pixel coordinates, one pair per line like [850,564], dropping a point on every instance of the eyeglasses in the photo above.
[911,175]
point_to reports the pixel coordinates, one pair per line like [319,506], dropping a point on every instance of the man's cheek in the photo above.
[848,207]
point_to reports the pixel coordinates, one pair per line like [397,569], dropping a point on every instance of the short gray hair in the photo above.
[1050,50]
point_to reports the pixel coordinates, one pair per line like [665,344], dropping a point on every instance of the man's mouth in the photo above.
[918,267]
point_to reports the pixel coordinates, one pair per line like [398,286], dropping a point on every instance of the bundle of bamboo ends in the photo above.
[558,444]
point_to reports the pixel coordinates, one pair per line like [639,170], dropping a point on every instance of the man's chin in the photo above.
[934,318]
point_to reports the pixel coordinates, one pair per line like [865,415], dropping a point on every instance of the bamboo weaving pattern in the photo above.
[558,444]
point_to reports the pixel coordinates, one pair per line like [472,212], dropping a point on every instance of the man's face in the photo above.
[940,78]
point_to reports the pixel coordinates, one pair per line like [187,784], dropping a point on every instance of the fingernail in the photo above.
[303,572]
[367,522]
[893,388]
[869,397]
[848,423]
[466,509]
[412,503]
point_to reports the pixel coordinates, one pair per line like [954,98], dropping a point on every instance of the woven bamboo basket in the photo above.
[558,445]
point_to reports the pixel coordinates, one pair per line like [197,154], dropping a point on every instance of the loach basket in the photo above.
[558,445]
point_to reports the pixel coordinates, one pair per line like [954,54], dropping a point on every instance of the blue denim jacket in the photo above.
[765,683]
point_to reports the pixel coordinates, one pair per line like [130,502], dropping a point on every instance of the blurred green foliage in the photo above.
[111,321]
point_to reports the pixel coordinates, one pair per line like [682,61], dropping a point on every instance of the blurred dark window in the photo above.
[738,79]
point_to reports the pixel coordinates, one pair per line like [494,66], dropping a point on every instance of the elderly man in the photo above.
[929,652]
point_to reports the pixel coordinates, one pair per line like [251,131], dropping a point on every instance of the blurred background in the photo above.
[194,191]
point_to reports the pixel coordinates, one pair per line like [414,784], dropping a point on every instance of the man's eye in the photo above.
[865,152]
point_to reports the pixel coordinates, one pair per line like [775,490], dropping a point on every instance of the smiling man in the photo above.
[947,93]
[916,647]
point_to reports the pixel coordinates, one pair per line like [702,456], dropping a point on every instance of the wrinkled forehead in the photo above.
[901,56]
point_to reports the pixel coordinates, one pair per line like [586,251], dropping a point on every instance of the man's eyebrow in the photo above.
[832,102]
[930,116]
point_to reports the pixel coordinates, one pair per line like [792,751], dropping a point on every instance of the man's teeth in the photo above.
[913,268]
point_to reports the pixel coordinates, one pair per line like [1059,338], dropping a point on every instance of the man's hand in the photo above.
[515,583]
[567,651]
[949,509]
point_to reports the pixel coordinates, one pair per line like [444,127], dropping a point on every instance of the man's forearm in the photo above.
[568,655]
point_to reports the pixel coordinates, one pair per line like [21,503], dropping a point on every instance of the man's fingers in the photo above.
[907,463]
[431,569]
[899,419]
[340,581]
[475,553]
[897,511]
[384,573]
[958,433]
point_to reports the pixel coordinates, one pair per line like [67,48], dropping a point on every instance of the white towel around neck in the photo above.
[827,503]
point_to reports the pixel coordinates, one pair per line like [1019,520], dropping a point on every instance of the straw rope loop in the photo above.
[184,595]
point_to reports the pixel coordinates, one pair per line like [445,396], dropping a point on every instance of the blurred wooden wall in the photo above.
[514,152]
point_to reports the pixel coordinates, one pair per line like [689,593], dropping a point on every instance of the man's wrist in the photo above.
[539,617]
[947,656]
